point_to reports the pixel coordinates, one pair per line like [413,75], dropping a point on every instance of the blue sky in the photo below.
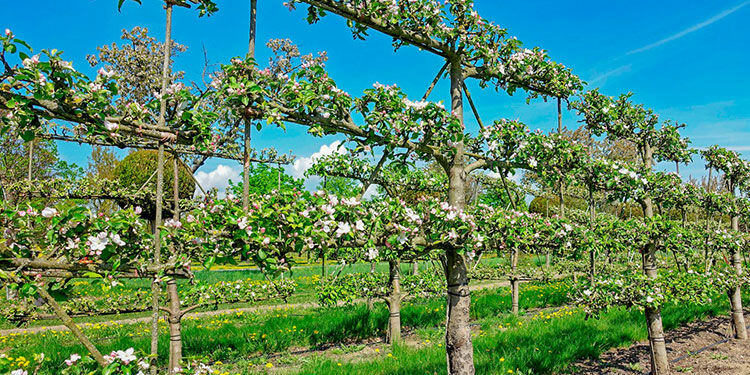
[686,60]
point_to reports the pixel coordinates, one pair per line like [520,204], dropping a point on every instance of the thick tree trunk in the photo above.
[415,267]
[735,294]
[659,360]
[394,303]
[458,345]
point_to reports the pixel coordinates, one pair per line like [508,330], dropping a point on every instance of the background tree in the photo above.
[102,165]
[14,162]
[137,64]
[264,179]
[138,171]
[341,187]
[491,192]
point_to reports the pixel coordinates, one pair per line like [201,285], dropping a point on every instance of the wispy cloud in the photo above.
[691,29]
[602,78]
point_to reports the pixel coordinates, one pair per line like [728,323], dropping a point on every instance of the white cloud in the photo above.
[302,164]
[218,178]
[372,191]
[691,29]
[515,177]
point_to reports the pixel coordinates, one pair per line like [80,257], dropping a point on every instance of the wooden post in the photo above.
[175,315]
[68,322]
[248,124]
[561,184]
[155,289]
[31,158]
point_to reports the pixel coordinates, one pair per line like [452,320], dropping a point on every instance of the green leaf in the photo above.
[208,263]
[28,135]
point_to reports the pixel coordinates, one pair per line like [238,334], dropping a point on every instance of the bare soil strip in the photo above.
[699,348]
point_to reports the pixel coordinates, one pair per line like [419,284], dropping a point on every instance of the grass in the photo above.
[306,277]
[547,343]
[239,336]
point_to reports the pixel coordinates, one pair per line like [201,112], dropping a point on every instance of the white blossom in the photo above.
[73,359]
[48,212]
[344,228]
[99,242]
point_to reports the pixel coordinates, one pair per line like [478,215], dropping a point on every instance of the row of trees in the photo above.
[207,122]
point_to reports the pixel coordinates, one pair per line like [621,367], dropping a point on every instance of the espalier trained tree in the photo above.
[472,47]
[389,238]
[736,175]
[619,118]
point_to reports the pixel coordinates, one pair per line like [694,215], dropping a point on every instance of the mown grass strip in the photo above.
[546,344]
[240,335]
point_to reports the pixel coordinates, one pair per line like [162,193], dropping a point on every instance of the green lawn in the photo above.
[239,336]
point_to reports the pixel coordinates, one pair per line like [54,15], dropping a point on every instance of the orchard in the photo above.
[435,243]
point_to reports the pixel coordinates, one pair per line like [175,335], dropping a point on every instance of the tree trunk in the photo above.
[547,259]
[458,345]
[323,267]
[659,360]
[514,282]
[175,328]
[370,302]
[394,303]
[735,294]
[415,267]
[592,252]
[175,315]
[11,294]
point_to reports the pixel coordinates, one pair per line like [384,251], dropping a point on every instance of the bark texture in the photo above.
[659,360]
[458,345]
[394,303]
[514,282]
[735,294]
[175,327]
[155,289]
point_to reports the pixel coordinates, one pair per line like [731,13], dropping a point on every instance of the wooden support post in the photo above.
[68,322]
[155,288]
[248,123]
